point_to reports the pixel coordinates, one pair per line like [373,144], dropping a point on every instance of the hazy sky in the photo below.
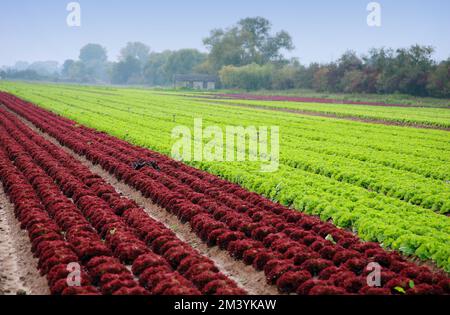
[33,30]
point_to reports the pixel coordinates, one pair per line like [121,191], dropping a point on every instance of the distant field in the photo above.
[389,184]
[381,98]
[419,116]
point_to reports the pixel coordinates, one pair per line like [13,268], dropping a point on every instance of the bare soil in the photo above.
[18,267]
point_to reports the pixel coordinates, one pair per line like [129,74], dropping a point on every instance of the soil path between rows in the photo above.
[254,282]
[18,267]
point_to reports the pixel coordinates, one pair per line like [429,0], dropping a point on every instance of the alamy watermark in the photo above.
[74,17]
[374,277]
[73,279]
[234,144]
[374,17]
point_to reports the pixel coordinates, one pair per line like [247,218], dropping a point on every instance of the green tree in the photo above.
[155,71]
[137,50]
[320,81]
[225,49]
[250,41]
[353,81]
[45,68]
[406,70]
[287,77]
[439,80]
[66,67]
[349,61]
[93,53]
[126,71]
[183,61]
[249,77]
[78,72]
[21,66]
[94,58]
[305,76]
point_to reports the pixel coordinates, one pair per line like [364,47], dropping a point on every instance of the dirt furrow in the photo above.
[18,267]
[245,276]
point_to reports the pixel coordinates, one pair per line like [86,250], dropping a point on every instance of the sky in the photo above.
[32,30]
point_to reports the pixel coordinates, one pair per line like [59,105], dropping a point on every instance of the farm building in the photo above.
[195,81]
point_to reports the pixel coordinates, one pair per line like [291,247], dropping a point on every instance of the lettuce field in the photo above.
[88,177]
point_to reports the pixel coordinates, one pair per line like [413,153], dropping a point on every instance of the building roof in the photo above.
[195,77]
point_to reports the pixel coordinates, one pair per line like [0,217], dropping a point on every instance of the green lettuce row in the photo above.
[402,185]
[417,115]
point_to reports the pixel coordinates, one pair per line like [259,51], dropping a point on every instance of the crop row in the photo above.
[297,252]
[340,161]
[147,103]
[47,242]
[439,117]
[413,188]
[335,193]
[413,179]
[166,270]
[303,99]
[162,240]
[60,236]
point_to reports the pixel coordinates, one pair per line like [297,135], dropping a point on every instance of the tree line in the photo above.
[407,70]
[250,56]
